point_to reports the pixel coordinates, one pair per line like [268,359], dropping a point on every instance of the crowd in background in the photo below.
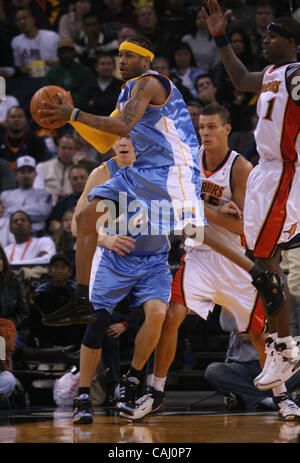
[74,44]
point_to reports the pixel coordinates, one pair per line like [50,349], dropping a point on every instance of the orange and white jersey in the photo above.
[216,190]
[277,130]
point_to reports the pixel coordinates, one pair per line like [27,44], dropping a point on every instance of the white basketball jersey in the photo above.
[276,133]
[216,190]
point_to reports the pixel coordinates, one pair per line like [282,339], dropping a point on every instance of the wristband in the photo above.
[221,40]
[74,114]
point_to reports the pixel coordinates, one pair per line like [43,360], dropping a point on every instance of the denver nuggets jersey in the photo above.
[165,135]
[145,245]
[216,189]
[277,130]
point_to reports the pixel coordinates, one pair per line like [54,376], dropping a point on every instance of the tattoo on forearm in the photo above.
[130,110]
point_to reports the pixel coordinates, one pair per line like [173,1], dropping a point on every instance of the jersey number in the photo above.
[269,112]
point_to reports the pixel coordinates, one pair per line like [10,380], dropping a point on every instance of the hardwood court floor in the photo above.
[189,417]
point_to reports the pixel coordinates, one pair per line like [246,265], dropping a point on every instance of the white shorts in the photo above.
[206,278]
[272,208]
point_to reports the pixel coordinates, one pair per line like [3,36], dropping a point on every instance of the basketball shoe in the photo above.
[269,348]
[78,310]
[82,410]
[128,394]
[287,409]
[148,404]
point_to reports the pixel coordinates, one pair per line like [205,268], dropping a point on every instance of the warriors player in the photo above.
[206,278]
[272,211]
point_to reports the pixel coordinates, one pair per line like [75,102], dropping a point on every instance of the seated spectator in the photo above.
[50,296]
[175,17]
[34,49]
[162,65]
[8,179]
[149,26]
[100,97]
[264,14]
[17,139]
[70,25]
[27,250]
[203,46]
[9,102]
[7,379]
[6,237]
[86,153]
[206,90]
[68,74]
[114,14]
[63,237]
[93,41]
[35,202]
[184,67]
[194,109]
[53,175]
[78,177]
[14,300]
[234,378]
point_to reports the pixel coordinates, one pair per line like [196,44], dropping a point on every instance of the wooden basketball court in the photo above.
[189,417]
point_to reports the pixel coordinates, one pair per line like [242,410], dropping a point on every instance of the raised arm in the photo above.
[242,79]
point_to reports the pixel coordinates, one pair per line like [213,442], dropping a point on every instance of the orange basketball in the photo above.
[48,93]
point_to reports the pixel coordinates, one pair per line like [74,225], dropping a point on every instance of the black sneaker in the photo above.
[233,402]
[128,394]
[82,410]
[271,291]
[150,403]
[77,311]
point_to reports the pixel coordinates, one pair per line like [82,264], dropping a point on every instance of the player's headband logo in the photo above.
[284,33]
[129,46]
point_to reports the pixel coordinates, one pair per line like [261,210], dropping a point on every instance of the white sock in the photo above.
[158,383]
[273,336]
[278,390]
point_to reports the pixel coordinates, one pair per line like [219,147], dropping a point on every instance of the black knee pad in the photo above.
[95,332]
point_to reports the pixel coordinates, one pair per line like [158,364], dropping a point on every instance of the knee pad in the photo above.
[95,332]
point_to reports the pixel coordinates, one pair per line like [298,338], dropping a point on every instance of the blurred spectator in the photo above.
[7,379]
[241,111]
[206,90]
[7,68]
[243,141]
[114,14]
[241,45]
[100,97]
[68,74]
[26,249]
[48,297]
[183,66]
[8,179]
[53,175]
[6,237]
[194,109]
[175,18]
[35,202]
[264,14]
[34,49]
[17,139]
[150,27]
[9,102]
[93,41]
[204,49]
[162,65]
[70,25]
[14,299]
[78,177]
[86,154]
[63,237]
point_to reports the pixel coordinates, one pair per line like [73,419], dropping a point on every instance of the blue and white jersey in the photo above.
[165,135]
[145,245]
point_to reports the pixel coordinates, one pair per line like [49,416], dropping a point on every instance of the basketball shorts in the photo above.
[114,277]
[168,198]
[206,278]
[272,208]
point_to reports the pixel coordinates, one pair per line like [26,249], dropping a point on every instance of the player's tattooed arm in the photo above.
[292,78]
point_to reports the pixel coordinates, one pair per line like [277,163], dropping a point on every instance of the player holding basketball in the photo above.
[272,212]
[206,278]
[153,112]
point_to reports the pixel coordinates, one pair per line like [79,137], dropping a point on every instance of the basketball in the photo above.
[48,93]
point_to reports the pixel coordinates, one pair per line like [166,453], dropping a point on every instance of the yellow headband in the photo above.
[136,49]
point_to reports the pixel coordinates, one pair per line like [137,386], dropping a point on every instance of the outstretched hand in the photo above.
[56,112]
[216,21]
[231,208]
